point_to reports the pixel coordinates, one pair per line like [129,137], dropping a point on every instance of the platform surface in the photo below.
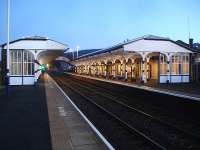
[41,118]
[68,129]
[24,123]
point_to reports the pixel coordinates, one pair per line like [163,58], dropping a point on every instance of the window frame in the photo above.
[18,63]
[27,62]
[163,64]
[179,61]
[185,62]
[16,68]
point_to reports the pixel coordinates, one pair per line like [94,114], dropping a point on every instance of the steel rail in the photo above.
[139,111]
[149,116]
[131,128]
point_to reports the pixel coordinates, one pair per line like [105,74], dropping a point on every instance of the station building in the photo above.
[26,56]
[145,59]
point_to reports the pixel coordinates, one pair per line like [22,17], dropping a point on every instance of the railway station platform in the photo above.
[41,117]
[68,129]
[24,119]
[187,90]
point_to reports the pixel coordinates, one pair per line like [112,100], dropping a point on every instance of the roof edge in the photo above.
[36,38]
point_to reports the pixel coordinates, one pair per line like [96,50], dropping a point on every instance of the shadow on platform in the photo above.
[24,120]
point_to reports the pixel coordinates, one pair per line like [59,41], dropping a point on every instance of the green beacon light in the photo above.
[42,68]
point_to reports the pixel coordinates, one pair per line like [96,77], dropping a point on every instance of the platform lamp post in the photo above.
[7,50]
[77,48]
[8,38]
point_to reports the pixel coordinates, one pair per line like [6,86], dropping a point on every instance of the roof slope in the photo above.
[34,38]
[145,37]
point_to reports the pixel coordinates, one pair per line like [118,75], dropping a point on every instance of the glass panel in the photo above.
[163,65]
[25,68]
[19,57]
[163,69]
[28,63]
[185,65]
[184,58]
[15,56]
[30,68]
[25,56]
[172,59]
[19,68]
[11,68]
[10,56]
[185,68]
[118,69]
[187,59]
[30,58]
[176,65]
[15,62]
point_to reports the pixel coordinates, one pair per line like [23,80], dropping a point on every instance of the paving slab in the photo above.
[68,129]
[24,123]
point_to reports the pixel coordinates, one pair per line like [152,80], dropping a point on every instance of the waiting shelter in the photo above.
[26,56]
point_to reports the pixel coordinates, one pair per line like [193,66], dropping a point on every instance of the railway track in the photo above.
[157,133]
[119,132]
[188,126]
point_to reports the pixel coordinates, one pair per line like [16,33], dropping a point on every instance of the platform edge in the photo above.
[105,141]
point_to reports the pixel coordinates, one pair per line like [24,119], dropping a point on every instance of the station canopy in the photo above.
[45,49]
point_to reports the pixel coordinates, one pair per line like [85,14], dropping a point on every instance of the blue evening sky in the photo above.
[101,23]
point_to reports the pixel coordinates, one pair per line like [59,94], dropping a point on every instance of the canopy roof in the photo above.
[147,43]
[36,43]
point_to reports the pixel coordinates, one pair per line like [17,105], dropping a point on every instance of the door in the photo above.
[153,67]
[138,70]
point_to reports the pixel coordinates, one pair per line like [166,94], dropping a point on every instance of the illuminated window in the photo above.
[102,68]
[128,66]
[118,68]
[163,64]
[185,64]
[180,64]
[176,65]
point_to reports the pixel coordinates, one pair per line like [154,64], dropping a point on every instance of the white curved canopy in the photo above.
[44,49]
[36,43]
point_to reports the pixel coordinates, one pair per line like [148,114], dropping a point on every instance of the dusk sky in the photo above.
[101,23]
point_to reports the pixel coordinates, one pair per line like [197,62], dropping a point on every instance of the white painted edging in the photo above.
[86,119]
[168,92]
